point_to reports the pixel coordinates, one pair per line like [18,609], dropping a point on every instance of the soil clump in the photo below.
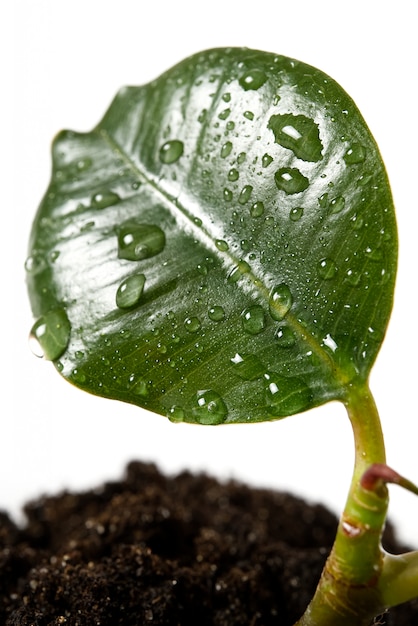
[158,550]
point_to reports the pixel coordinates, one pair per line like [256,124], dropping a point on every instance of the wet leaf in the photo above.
[222,245]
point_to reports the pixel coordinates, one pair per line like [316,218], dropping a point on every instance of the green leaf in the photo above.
[223,244]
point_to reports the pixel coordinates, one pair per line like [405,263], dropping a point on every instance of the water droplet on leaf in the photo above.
[50,335]
[226,149]
[266,160]
[216,313]
[285,337]
[35,263]
[130,291]
[248,366]
[253,80]
[286,395]
[210,408]
[296,213]
[323,201]
[103,199]
[290,180]
[253,319]
[375,254]
[245,194]
[171,151]
[327,269]
[364,180]
[192,324]
[298,133]
[224,114]
[355,154]
[221,245]
[337,204]
[138,385]
[280,301]
[233,175]
[353,277]
[176,414]
[237,272]
[78,375]
[257,209]
[139,241]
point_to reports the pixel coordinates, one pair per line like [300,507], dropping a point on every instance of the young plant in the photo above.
[222,248]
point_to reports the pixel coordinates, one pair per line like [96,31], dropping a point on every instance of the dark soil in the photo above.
[159,550]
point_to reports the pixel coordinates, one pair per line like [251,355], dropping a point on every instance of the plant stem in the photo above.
[367,430]
[399,580]
[347,593]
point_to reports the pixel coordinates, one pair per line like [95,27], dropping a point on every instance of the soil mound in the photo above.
[168,551]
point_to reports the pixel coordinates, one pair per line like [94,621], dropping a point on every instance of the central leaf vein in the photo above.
[250,282]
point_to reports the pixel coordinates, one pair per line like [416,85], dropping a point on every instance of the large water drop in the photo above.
[296,213]
[253,319]
[50,335]
[210,408]
[171,151]
[216,313]
[355,154]
[139,241]
[257,209]
[245,194]
[226,149]
[290,180]
[192,324]
[298,133]
[280,301]
[337,204]
[176,414]
[253,80]
[130,291]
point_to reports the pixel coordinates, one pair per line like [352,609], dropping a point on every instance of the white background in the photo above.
[63,63]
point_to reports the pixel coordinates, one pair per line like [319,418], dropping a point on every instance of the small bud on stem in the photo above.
[380,473]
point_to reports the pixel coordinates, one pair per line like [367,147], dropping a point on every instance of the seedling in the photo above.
[222,248]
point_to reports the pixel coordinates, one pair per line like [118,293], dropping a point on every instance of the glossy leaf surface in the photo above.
[221,247]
